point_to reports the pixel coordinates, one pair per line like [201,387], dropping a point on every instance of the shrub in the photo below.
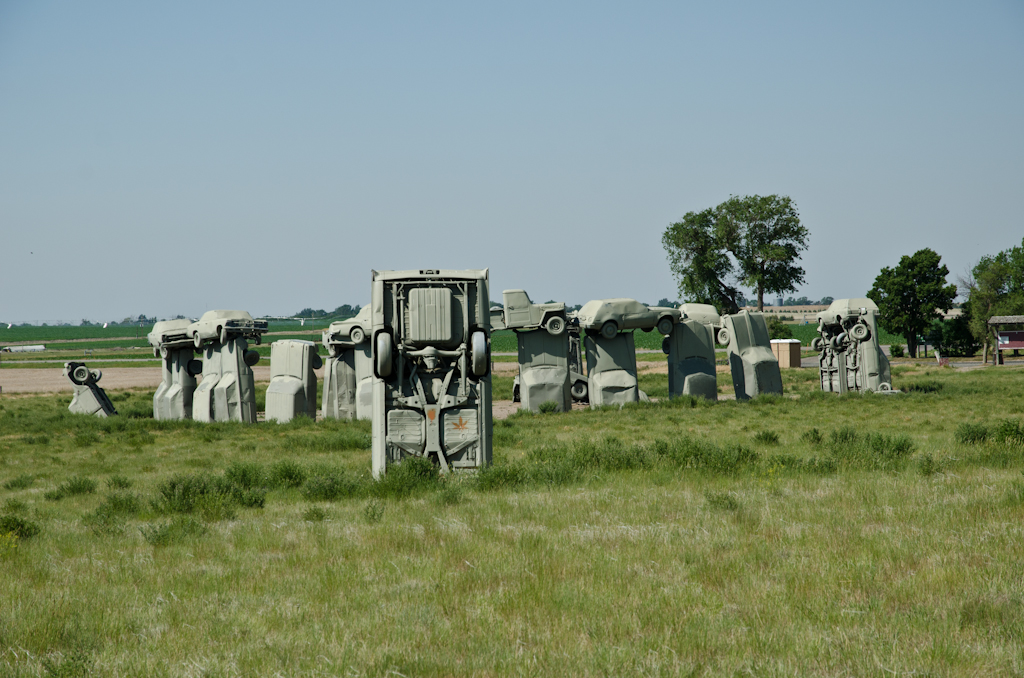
[778,329]
[812,436]
[971,434]
[72,486]
[450,494]
[327,484]
[896,351]
[178,529]
[36,440]
[213,496]
[926,465]
[548,407]
[287,473]
[766,437]
[1008,430]
[373,512]
[413,475]
[19,482]
[246,474]
[19,527]
[15,506]
[118,483]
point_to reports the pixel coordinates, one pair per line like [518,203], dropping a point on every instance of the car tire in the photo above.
[666,345]
[817,344]
[163,352]
[579,391]
[357,335]
[478,354]
[383,355]
[222,334]
[665,326]
[197,340]
[723,336]
[609,330]
[80,375]
[860,332]
[555,325]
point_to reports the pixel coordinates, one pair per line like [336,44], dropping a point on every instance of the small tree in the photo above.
[995,286]
[912,294]
[778,329]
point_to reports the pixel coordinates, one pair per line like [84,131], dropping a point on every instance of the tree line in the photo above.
[757,241]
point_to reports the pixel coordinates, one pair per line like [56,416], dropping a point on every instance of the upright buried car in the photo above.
[611,316]
[431,365]
[851,359]
[348,375]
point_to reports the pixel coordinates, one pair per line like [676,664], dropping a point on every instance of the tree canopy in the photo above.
[755,241]
[995,286]
[911,295]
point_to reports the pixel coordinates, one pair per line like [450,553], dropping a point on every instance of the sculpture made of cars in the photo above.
[519,313]
[172,343]
[88,397]
[850,358]
[755,369]
[292,389]
[543,370]
[348,372]
[611,370]
[611,316]
[430,344]
[227,391]
[691,353]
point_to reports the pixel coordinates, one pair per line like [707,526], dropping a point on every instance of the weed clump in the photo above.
[871,451]
[812,436]
[923,387]
[373,512]
[19,527]
[314,514]
[927,466]
[72,486]
[548,407]
[766,438]
[178,529]
[212,496]
[118,483]
[413,475]
[287,473]
[971,434]
[329,484]
[721,501]
[1008,431]
[19,482]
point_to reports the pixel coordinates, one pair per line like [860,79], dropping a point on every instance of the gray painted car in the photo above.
[611,316]
[851,359]
[220,326]
[347,333]
[519,313]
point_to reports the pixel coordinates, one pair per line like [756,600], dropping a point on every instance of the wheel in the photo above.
[579,390]
[80,374]
[383,355]
[197,340]
[357,335]
[665,326]
[478,354]
[555,325]
[164,351]
[817,344]
[96,375]
[156,352]
[251,358]
[609,330]
[515,393]
[885,386]
[332,351]
[666,345]
[723,336]
[318,362]
[258,339]
[222,334]
[860,332]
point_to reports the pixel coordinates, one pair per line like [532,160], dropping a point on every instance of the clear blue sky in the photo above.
[166,158]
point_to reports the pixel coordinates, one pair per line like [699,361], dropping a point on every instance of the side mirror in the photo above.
[194,367]
[478,353]
[251,358]
[382,355]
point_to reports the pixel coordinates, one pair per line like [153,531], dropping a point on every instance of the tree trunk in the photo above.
[911,344]
[760,298]
[984,360]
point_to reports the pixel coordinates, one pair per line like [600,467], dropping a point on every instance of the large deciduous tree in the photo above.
[699,262]
[765,235]
[912,295]
[754,241]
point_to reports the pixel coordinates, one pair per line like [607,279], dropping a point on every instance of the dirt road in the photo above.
[54,381]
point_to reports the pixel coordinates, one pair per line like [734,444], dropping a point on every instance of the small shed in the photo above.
[1009,334]
[787,352]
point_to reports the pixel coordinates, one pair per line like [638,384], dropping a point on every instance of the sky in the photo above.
[170,158]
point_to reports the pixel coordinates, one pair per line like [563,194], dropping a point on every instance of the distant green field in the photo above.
[805,333]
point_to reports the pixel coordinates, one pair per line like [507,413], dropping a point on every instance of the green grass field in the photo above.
[810,536]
